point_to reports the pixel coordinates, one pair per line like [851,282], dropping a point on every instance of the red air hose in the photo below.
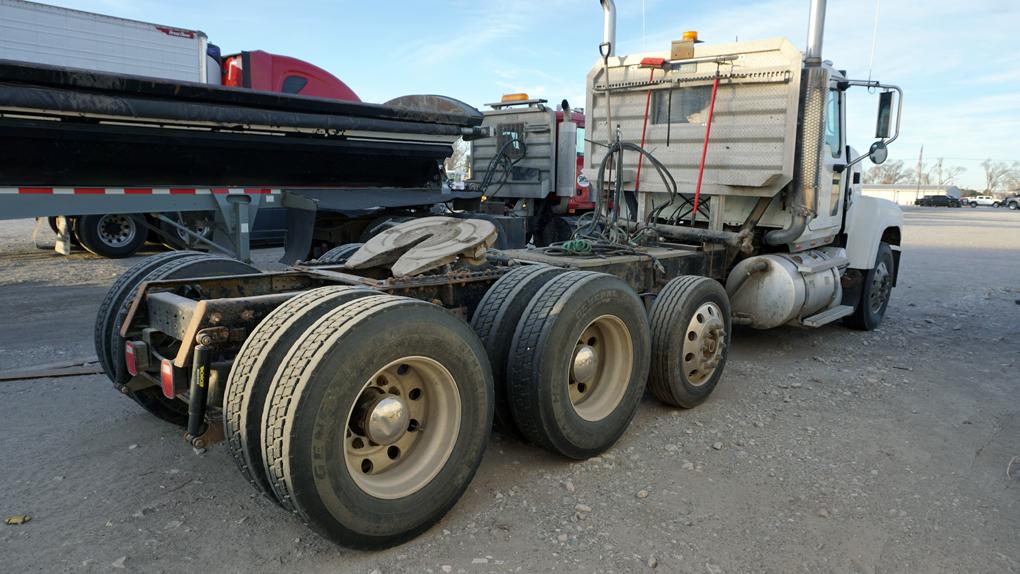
[704,150]
[648,102]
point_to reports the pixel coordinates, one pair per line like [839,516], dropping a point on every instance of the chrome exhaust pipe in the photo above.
[609,25]
[816,32]
[811,134]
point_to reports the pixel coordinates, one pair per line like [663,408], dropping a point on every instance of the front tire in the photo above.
[112,235]
[878,284]
[378,420]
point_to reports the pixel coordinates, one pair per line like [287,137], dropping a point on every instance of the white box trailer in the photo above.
[43,34]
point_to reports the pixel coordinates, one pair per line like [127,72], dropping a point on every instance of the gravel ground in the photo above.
[823,450]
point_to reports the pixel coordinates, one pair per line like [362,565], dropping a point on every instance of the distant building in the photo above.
[906,193]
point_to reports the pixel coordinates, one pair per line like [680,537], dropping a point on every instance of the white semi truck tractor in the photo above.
[357,391]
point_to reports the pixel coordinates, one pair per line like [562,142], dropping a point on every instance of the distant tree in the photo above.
[941,174]
[1000,175]
[890,172]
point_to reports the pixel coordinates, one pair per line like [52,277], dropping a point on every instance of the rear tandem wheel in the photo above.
[690,340]
[114,309]
[494,322]
[579,363]
[258,362]
[377,419]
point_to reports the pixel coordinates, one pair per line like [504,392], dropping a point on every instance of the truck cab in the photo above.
[258,70]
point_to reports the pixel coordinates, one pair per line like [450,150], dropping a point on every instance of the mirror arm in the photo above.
[899,109]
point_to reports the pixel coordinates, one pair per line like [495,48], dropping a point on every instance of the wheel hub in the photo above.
[599,368]
[115,230]
[402,427]
[704,344]
[386,419]
[585,364]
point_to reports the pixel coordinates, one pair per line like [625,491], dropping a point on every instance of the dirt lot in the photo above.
[822,450]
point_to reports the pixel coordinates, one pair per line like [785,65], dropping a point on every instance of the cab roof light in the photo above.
[518,97]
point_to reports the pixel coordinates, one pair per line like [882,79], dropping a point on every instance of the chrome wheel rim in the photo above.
[116,230]
[600,367]
[402,427]
[881,287]
[704,344]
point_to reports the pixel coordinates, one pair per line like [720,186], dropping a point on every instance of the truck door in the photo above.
[832,168]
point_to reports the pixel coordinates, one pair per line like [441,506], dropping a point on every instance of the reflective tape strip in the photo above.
[137,191]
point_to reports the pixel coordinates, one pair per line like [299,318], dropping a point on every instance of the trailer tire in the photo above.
[342,370]
[495,321]
[878,284]
[111,235]
[258,362]
[577,399]
[338,255]
[172,238]
[691,330]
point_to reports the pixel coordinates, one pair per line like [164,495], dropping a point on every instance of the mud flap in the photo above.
[300,227]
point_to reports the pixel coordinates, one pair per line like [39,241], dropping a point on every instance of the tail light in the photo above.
[129,358]
[166,378]
[136,357]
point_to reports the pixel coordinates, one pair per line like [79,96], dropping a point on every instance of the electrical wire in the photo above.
[505,162]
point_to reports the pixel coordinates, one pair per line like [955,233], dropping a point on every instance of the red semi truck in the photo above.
[43,34]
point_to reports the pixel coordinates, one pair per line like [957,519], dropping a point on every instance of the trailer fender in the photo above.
[872,221]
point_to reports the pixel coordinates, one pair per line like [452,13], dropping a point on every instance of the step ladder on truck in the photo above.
[357,391]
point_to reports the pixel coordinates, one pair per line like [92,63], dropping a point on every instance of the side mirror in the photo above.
[884,115]
[878,153]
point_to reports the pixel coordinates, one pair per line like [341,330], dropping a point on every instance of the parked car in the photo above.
[985,200]
[1011,202]
[938,201]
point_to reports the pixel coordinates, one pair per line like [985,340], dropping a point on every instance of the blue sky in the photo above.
[957,61]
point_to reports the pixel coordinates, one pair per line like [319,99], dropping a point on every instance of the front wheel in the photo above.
[996,204]
[1014,205]
[878,284]
[973,204]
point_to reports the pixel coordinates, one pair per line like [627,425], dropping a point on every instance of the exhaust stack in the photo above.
[816,32]
[609,24]
[813,97]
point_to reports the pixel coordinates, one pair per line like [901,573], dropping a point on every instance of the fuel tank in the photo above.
[767,291]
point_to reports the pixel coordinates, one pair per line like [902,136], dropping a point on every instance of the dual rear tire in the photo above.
[114,308]
[572,351]
[364,414]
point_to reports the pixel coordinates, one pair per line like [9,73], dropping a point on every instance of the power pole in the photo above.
[920,158]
